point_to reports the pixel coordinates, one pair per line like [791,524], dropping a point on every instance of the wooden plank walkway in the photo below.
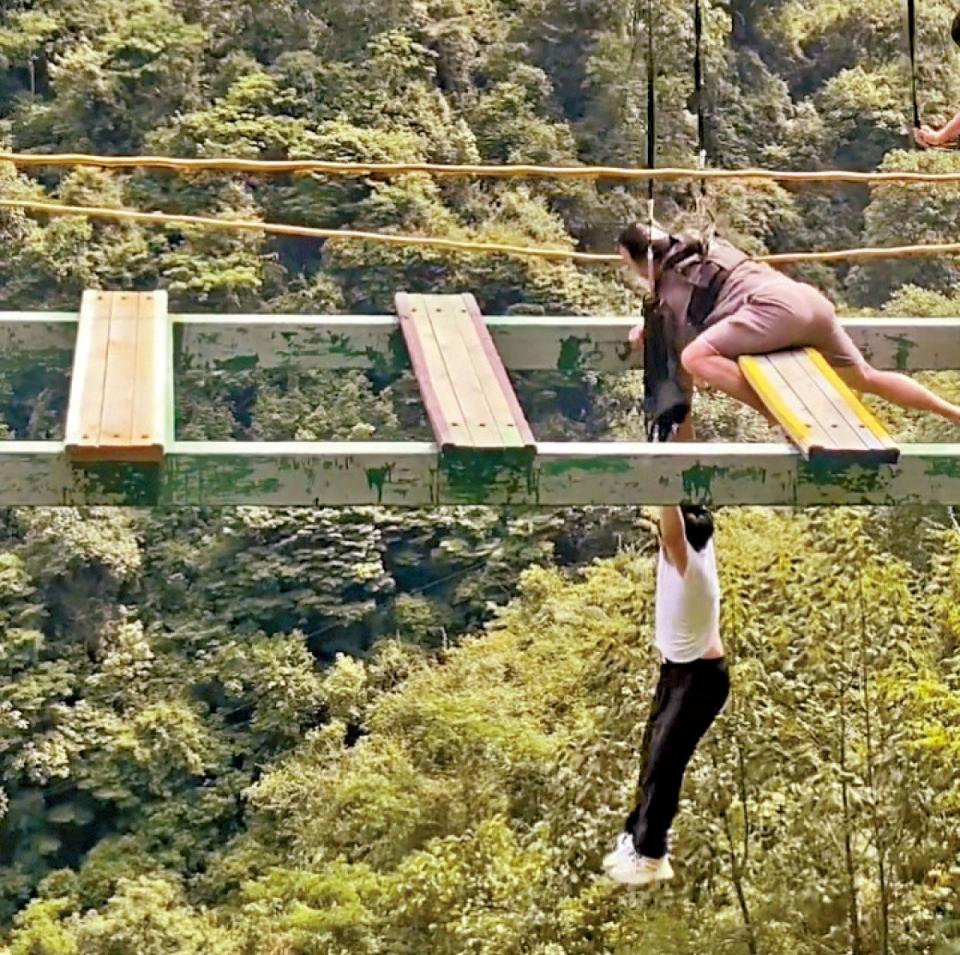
[119,389]
[466,391]
[820,414]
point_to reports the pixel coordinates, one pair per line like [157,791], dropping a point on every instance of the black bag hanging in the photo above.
[666,402]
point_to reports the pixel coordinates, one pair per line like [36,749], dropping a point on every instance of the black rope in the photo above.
[698,83]
[651,101]
[912,38]
[651,137]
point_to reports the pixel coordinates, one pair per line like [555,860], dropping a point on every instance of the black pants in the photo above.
[688,698]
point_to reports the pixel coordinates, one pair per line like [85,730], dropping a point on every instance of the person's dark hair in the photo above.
[636,239]
[697,525]
[955,30]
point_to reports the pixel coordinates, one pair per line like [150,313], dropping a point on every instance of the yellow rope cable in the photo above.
[452,245]
[307,232]
[863,255]
[611,173]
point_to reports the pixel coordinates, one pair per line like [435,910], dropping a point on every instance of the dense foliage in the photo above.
[367,731]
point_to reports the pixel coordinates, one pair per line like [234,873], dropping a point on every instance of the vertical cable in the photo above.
[651,139]
[912,41]
[698,82]
[698,85]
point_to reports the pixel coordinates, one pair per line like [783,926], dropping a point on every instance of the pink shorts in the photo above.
[781,315]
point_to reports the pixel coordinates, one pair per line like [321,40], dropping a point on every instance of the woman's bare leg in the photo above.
[898,389]
[703,362]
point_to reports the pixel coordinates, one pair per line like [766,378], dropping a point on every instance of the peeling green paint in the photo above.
[589,465]
[238,363]
[485,477]
[341,344]
[399,355]
[852,479]
[904,346]
[577,355]
[943,467]
[136,485]
[378,478]
[698,483]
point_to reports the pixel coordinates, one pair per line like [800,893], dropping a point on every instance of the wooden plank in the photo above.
[830,416]
[85,409]
[827,402]
[857,406]
[119,387]
[117,409]
[150,383]
[443,314]
[779,399]
[413,475]
[439,397]
[501,384]
[490,390]
[820,414]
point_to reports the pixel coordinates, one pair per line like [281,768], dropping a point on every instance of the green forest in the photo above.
[337,732]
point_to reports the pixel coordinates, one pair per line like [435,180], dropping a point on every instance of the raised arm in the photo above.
[673,539]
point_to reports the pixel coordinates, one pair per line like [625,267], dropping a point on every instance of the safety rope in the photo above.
[305,232]
[385,170]
[651,143]
[912,42]
[450,245]
[702,148]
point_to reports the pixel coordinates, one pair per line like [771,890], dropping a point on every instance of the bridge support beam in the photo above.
[416,475]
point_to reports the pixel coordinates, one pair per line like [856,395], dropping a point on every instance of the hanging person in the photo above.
[692,689]
[726,305]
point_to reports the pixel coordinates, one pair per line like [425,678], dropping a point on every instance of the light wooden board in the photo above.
[466,392]
[818,412]
[118,405]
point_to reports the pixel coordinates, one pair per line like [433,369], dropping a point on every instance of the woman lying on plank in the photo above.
[727,305]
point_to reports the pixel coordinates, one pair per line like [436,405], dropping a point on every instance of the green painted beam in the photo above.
[414,475]
[527,343]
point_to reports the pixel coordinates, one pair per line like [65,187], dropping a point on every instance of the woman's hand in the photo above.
[926,136]
[636,337]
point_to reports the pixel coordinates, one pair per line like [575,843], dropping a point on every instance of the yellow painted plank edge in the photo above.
[768,394]
[856,405]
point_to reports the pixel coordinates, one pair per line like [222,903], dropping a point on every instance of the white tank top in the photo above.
[688,607]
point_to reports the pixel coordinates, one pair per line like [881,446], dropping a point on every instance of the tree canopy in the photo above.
[333,732]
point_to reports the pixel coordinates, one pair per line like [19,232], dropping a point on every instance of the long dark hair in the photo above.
[955,30]
[636,240]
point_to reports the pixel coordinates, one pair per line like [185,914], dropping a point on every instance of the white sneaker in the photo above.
[626,866]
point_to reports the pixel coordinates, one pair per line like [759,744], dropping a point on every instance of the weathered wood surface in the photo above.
[415,475]
[526,343]
[466,392]
[119,386]
[816,409]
